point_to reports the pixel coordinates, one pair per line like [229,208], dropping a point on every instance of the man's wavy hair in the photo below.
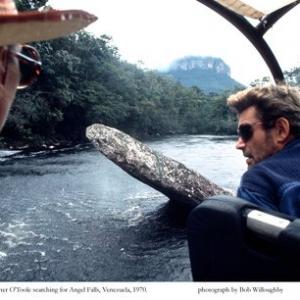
[271,103]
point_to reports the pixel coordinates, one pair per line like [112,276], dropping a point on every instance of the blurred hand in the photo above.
[9,80]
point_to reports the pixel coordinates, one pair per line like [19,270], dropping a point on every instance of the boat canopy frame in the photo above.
[255,34]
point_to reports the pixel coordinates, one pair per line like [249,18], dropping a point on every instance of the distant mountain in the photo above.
[210,74]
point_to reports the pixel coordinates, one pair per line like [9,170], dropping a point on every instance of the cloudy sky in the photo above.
[154,33]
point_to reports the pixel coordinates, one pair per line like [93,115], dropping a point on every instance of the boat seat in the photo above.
[231,239]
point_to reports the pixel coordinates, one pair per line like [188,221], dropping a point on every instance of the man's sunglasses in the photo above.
[30,64]
[245,131]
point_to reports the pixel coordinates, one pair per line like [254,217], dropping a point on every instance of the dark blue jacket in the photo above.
[274,183]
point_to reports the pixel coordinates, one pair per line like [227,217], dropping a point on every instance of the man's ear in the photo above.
[282,130]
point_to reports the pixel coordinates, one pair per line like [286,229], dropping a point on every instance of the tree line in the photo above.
[84,81]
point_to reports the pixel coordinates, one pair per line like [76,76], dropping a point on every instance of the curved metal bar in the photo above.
[269,20]
[254,35]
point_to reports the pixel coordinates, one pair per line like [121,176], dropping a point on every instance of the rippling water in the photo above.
[74,216]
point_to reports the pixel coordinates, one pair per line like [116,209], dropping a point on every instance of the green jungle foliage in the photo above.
[30,4]
[84,82]
[293,76]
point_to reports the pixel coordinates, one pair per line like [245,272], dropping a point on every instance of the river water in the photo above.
[72,215]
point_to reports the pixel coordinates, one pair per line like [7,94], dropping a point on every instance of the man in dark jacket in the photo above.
[269,136]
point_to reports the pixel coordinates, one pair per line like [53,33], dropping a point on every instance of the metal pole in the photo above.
[255,34]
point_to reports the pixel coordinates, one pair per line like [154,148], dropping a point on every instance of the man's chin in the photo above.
[250,162]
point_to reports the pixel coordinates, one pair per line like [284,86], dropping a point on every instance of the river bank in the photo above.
[39,145]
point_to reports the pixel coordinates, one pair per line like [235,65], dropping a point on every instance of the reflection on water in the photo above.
[74,216]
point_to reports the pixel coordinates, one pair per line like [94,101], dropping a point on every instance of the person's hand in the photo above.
[9,80]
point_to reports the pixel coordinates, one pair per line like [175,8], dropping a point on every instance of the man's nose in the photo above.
[240,144]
